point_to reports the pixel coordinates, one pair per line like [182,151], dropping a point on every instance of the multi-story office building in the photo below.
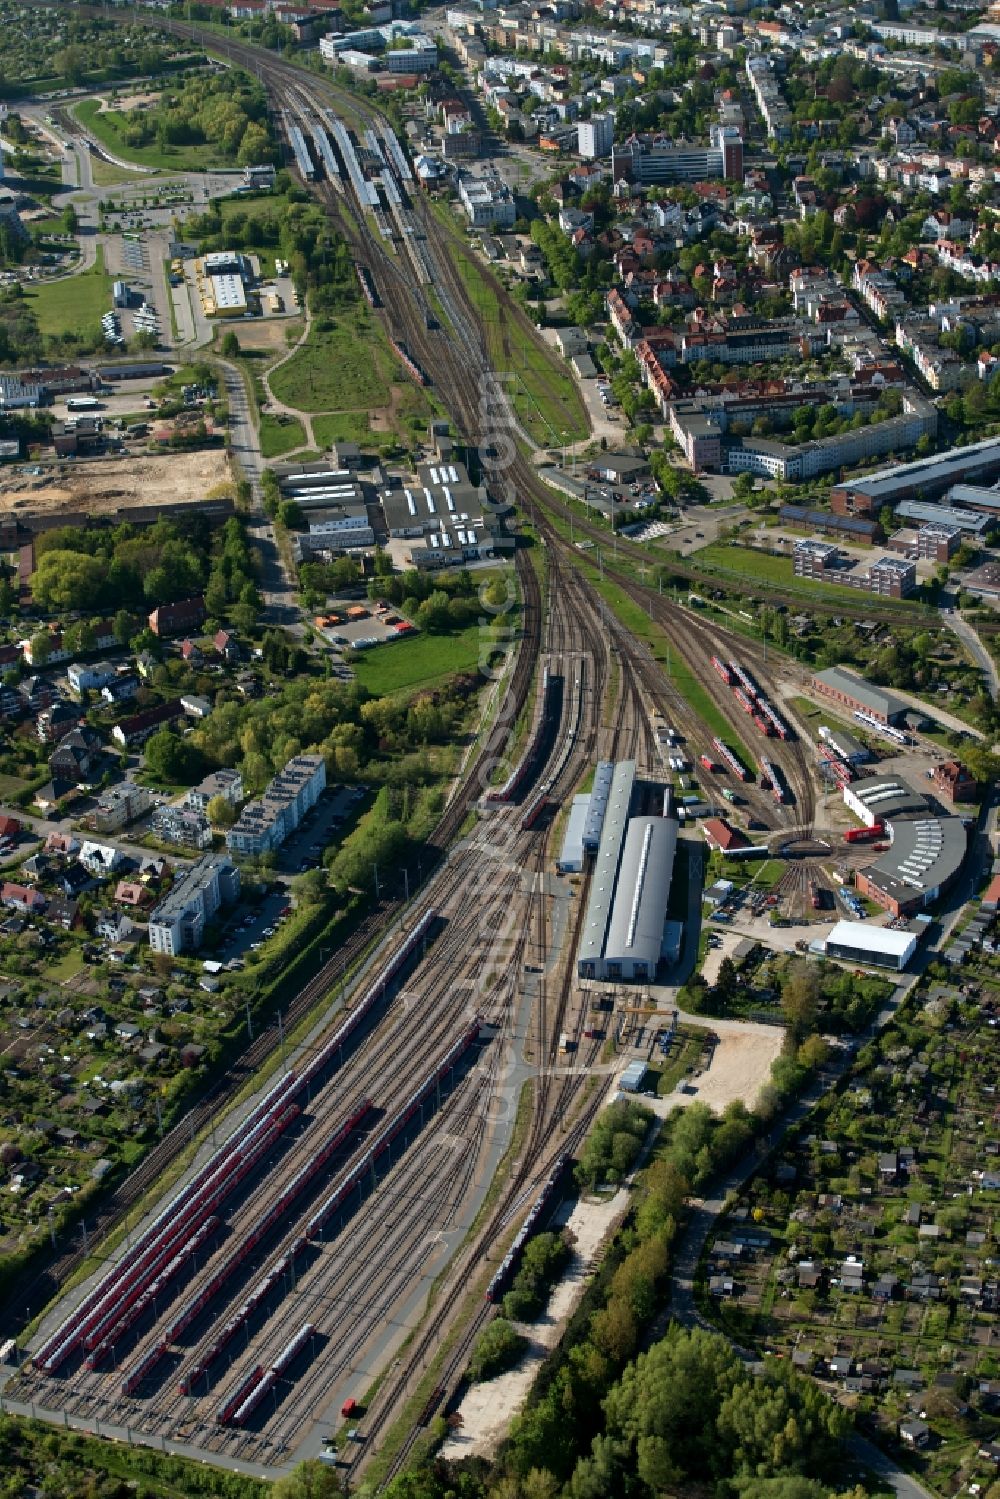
[649,158]
[178,923]
[487,201]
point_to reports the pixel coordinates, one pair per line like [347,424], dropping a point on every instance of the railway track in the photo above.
[457,360]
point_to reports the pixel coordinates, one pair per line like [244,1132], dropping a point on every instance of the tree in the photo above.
[310,1480]
[174,760]
[499,1348]
[124,626]
[800,991]
[66,580]
[230,346]
[41,648]
[221,812]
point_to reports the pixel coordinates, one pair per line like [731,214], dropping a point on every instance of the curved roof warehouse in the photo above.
[630,887]
[926,850]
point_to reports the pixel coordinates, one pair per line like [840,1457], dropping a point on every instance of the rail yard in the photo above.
[249,1312]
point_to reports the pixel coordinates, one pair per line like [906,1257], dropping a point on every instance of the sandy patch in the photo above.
[487,1409]
[265,333]
[740,1068]
[130,101]
[106,486]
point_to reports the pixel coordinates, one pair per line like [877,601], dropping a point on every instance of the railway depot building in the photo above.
[925,853]
[872,946]
[623,934]
[850,691]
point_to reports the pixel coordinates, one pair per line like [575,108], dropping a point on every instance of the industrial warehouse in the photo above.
[623,934]
[925,850]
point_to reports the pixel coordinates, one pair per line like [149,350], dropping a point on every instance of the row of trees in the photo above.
[614,1413]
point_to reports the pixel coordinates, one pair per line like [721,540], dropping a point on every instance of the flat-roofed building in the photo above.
[265,824]
[120,805]
[225,783]
[879,798]
[178,923]
[872,946]
[969,522]
[933,543]
[813,559]
[922,862]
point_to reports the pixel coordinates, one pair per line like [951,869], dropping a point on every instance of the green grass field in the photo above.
[105,127]
[761,568]
[106,174]
[75,304]
[348,368]
[543,391]
[280,435]
[423,661]
[350,426]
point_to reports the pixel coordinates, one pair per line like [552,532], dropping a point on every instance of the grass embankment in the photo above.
[342,366]
[75,304]
[675,669]
[543,391]
[106,128]
[757,568]
[422,661]
[280,435]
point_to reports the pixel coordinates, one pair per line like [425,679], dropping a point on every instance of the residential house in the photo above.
[178,618]
[228,647]
[136,729]
[55,721]
[76,759]
[100,859]
[115,926]
[90,677]
[119,689]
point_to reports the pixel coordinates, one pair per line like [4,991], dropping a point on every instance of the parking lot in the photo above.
[344,633]
[249,928]
[335,811]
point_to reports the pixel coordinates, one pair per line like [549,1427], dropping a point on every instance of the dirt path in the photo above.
[487,1409]
[741,1066]
[276,407]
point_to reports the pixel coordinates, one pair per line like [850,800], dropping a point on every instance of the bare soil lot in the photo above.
[106,486]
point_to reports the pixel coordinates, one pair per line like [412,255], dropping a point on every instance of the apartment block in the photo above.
[935,543]
[812,559]
[185,827]
[595,137]
[225,783]
[265,824]
[178,923]
[118,806]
